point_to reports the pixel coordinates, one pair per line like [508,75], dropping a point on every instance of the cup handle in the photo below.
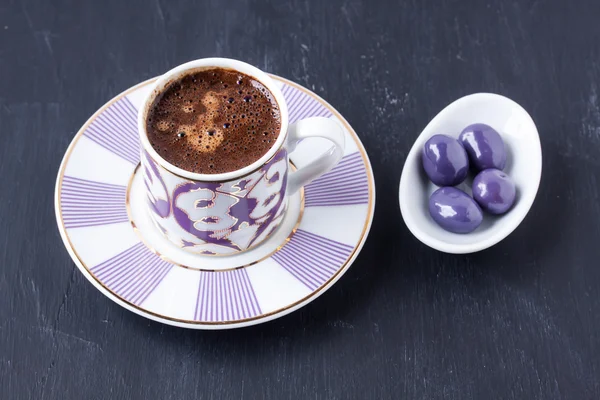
[315,127]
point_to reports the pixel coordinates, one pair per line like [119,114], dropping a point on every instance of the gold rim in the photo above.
[238,322]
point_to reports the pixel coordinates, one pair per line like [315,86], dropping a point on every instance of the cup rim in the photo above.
[217,62]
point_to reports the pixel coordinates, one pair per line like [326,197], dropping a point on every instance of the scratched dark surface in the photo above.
[518,321]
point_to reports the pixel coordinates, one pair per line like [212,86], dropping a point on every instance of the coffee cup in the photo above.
[230,212]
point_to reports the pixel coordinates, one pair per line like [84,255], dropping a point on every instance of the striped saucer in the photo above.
[102,220]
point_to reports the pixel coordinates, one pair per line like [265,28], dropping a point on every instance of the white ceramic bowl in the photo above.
[523,165]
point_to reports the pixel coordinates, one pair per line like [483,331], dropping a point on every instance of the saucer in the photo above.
[102,220]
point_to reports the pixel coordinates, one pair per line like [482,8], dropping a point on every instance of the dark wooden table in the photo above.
[518,321]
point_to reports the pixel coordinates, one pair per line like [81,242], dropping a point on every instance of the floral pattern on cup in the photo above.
[159,200]
[216,218]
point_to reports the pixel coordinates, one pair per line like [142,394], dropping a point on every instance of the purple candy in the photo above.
[494,191]
[445,160]
[454,210]
[484,146]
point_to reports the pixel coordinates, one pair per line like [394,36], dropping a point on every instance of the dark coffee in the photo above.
[213,121]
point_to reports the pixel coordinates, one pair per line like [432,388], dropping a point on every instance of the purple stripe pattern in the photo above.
[312,259]
[90,203]
[132,274]
[115,129]
[301,105]
[225,296]
[345,184]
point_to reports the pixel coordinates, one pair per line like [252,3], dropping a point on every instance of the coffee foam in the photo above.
[213,121]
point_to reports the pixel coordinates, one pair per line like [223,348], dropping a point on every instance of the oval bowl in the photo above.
[523,165]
